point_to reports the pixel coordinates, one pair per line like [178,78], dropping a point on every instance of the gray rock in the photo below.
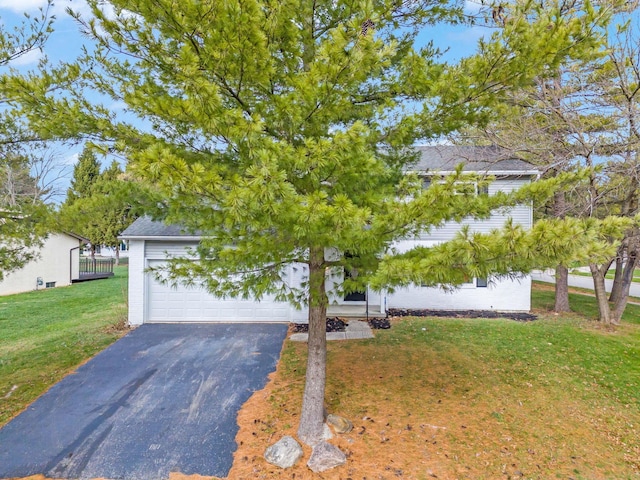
[325,457]
[339,424]
[326,432]
[285,453]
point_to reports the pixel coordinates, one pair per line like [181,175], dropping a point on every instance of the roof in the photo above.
[145,227]
[492,160]
[77,237]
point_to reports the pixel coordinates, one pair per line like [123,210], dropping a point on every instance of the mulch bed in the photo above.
[518,316]
[336,324]
[333,325]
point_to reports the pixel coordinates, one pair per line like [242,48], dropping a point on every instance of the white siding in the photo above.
[501,295]
[161,250]
[52,265]
[137,282]
[520,214]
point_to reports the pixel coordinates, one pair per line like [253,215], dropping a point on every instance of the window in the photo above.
[461,187]
[50,284]
[481,282]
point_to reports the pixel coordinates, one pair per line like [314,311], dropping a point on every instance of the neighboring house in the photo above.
[151,243]
[57,265]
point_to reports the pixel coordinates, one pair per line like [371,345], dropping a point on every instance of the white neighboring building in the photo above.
[57,265]
[151,243]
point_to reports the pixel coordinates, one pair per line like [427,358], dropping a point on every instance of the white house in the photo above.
[151,243]
[57,265]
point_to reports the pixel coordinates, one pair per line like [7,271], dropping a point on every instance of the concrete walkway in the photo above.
[355,330]
[582,282]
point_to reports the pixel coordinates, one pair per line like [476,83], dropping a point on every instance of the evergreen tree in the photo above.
[103,206]
[85,174]
[282,132]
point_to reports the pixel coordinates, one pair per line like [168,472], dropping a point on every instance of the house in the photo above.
[57,265]
[151,243]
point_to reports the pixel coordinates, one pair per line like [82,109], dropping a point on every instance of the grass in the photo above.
[429,398]
[473,399]
[46,334]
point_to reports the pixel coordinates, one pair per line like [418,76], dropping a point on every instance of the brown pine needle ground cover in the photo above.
[468,399]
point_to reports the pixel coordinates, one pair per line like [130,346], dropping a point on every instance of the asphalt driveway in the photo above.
[162,399]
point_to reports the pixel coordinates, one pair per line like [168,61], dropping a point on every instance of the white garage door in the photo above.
[182,304]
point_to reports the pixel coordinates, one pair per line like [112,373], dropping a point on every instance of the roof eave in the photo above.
[519,173]
[160,237]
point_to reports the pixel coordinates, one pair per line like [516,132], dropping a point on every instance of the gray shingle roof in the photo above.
[475,159]
[146,227]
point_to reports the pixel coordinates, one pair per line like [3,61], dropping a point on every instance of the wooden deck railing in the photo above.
[96,267]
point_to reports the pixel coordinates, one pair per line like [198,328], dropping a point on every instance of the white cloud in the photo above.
[118,106]
[473,7]
[29,58]
[71,159]
[20,6]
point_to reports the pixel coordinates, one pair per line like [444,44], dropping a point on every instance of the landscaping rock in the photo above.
[325,457]
[285,453]
[339,424]
[326,432]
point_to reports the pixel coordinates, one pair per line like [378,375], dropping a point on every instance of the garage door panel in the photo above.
[192,304]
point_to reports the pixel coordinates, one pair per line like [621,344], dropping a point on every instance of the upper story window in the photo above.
[462,188]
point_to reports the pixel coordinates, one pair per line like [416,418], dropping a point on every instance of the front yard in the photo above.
[468,399]
[46,334]
[429,398]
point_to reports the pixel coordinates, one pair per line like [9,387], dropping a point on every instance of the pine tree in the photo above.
[282,132]
[85,174]
[102,205]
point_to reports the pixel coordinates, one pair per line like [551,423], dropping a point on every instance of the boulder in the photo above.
[325,457]
[339,424]
[285,453]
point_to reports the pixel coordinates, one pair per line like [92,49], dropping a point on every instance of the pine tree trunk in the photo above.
[312,416]
[117,254]
[604,310]
[562,290]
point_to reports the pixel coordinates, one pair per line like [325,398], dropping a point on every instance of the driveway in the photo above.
[162,399]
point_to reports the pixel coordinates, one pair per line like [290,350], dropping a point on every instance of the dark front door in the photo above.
[353,296]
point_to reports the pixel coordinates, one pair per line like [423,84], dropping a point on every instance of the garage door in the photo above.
[188,304]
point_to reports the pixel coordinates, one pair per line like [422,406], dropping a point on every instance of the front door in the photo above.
[353,296]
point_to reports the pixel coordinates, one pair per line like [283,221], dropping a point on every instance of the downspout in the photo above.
[71,263]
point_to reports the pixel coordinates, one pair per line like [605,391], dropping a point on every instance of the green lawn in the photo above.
[432,398]
[46,334]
